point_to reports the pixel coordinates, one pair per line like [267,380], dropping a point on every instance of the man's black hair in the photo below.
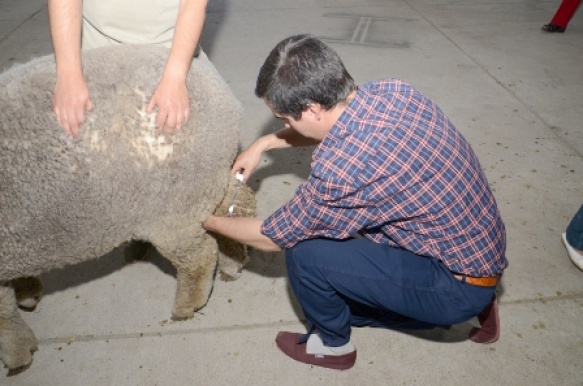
[302,70]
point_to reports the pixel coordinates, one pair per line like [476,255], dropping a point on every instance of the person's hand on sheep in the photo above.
[247,161]
[171,100]
[71,102]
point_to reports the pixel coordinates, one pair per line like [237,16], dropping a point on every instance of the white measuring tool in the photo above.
[239,178]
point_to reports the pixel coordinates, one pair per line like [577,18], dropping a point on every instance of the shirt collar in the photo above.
[345,123]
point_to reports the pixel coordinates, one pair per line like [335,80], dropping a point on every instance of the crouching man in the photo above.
[395,227]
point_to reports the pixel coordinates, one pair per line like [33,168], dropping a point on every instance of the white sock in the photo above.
[475,322]
[315,346]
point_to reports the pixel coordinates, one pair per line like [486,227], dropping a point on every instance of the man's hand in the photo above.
[248,160]
[71,103]
[171,100]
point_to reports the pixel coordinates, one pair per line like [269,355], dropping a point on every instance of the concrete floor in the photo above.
[515,93]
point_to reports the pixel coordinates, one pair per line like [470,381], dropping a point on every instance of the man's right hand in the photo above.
[71,103]
[249,159]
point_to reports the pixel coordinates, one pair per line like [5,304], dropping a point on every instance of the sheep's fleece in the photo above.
[67,201]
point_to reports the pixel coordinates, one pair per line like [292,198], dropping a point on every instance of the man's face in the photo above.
[308,124]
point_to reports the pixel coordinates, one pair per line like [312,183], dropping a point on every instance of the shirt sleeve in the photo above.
[304,217]
[333,203]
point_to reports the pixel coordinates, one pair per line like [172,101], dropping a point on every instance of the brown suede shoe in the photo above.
[490,322]
[288,343]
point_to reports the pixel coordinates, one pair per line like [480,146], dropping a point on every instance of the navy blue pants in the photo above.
[575,230]
[355,282]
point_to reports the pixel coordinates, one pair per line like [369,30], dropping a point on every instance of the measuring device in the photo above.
[239,178]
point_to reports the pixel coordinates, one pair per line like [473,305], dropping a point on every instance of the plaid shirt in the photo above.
[395,170]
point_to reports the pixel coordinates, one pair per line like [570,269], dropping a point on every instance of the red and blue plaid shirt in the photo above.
[395,170]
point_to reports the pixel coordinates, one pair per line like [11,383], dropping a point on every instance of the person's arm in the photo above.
[249,158]
[71,94]
[245,230]
[248,230]
[171,96]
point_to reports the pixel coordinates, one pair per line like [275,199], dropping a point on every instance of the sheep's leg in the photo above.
[17,341]
[195,280]
[135,250]
[28,291]
[233,255]
[232,258]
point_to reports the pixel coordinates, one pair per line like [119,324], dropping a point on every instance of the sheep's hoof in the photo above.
[18,370]
[28,292]
[177,318]
[226,277]
[182,315]
[231,266]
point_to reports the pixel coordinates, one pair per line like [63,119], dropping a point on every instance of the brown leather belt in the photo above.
[478,281]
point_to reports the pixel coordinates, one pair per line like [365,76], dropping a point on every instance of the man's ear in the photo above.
[315,110]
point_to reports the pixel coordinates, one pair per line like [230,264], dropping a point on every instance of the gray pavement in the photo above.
[515,93]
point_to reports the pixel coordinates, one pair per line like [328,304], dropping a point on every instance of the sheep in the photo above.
[64,201]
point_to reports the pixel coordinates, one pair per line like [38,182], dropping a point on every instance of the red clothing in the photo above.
[565,12]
